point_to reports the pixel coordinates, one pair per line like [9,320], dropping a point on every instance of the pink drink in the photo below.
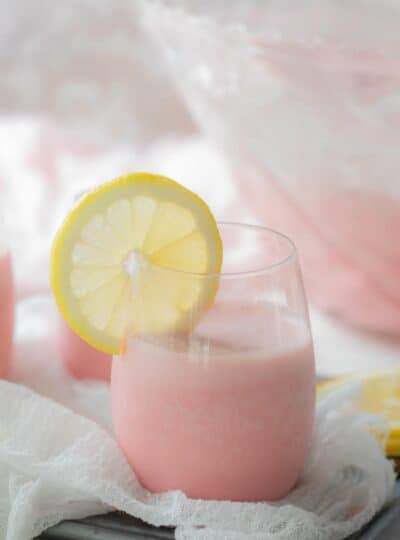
[6,314]
[80,359]
[364,283]
[234,423]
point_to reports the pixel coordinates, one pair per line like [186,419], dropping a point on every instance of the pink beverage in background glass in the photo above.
[6,306]
[332,189]
[225,411]
[81,360]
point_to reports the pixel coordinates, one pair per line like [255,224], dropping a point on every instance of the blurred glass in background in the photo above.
[305,98]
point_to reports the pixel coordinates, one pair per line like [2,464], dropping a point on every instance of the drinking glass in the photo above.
[6,302]
[223,409]
[80,359]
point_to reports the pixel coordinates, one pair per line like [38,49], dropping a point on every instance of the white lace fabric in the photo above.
[59,460]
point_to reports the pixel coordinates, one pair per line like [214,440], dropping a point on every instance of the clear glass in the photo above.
[6,303]
[225,408]
[80,359]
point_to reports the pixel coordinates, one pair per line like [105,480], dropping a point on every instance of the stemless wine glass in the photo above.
[225,408]
[80,359]
[6,303]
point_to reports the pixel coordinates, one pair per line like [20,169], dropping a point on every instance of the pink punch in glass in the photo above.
[225,411]
[6,304]
[80,359]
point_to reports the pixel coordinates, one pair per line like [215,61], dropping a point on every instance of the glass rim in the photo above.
[292,255]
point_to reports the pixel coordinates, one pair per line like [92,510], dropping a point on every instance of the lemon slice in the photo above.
[112,259]
[380,395]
